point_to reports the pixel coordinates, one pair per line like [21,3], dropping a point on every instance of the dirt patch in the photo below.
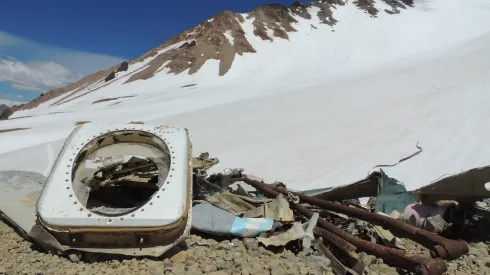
[81,122]
[19,117]
[52,113]
[111,99]
[12,130]
[188,85]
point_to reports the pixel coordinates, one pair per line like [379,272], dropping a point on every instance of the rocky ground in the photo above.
[200,255]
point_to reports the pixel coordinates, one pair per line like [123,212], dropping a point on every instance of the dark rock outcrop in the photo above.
[368,6]
[110,77]
[123,67]
[5,112]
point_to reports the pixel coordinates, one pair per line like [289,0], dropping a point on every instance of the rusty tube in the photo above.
[417,264]
[440,247]
[337,267]
[335,240]
[344,247]
[394,257]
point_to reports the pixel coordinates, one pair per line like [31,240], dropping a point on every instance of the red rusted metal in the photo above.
[395,257]
[392,256]
[440,247]
[338,267]
[334,239]
[343,247]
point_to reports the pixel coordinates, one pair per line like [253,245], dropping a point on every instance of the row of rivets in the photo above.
[88,140]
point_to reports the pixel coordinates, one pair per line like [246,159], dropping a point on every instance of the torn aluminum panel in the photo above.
[203,163]
[277,210]
[466,187]
[296,232]
[124,216]
[230,202]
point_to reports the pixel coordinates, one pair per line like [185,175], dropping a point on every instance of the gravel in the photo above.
[199,255]
[196,256]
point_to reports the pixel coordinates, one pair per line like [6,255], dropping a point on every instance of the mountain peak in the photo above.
[221,37]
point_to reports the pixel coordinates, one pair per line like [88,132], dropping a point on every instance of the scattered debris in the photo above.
[146,179]
[278,209]
[231,202]
[297,232]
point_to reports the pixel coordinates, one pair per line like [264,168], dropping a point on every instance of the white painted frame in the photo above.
[58,206]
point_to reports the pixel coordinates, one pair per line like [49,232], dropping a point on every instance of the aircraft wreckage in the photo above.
[131,189]
[109,191]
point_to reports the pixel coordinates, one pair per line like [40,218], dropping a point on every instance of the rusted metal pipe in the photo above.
[337,267]
[343,247]
[417,264]
[395,257]
[334,239]
[440,247]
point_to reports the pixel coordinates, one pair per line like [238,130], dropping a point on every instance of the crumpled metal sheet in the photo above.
[468,186]
[296,232]
[388,238]
[230,202]
[277,210]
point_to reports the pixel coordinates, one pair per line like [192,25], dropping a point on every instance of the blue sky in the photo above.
[51,43]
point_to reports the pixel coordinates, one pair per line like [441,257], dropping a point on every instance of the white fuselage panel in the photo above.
[58,206]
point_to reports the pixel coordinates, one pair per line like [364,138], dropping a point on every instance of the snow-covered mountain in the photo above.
[217,44]
[314,94]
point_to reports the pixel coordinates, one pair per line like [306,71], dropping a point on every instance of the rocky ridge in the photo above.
[221,37]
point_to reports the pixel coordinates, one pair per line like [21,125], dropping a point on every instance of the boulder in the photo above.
[110,77]
[5,112]
[123,67]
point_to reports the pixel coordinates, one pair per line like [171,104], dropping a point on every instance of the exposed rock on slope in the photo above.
[220,37]
[217,38]
[72,88]
[396,5]
[5,112]
[123,67]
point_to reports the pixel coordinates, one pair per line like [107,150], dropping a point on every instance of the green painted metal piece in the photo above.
[392,196]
